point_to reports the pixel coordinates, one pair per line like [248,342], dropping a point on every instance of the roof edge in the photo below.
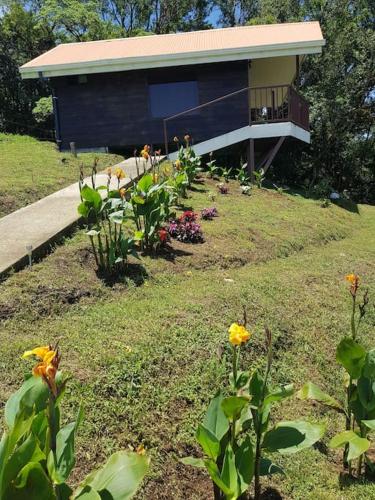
[167,60]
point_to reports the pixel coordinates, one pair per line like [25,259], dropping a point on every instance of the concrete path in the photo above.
[43,222]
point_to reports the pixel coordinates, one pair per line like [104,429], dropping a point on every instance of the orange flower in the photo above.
[108,171]
[187,138]
[176,139]
[122,193]
[144,154]
[354,280]
[47,367]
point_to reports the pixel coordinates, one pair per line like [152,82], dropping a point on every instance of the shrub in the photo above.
[186,229]
[37,453]
[187,160]
[209,213]
[234,434]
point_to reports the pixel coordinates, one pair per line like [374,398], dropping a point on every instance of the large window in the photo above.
[167,99]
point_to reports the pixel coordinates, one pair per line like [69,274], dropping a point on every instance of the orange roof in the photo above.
[178,48]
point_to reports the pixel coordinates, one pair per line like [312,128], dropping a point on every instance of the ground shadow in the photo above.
[134,273]
[169,253]
[270,494]
[343,203]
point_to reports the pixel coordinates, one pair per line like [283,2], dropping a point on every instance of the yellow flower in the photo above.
[108,171]
[144,154]
[177,164]
[155,178]
[141,450]
[352,278]
[119,173]
[122,192]
[238,334]
[48,365]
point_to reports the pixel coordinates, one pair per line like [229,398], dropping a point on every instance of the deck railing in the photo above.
[270,104]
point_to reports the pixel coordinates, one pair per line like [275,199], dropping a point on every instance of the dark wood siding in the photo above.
[112,109]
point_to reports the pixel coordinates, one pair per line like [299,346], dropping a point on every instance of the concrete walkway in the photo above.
[45,221]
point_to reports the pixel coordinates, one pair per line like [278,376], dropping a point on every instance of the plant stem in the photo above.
[94,250]
[53,430]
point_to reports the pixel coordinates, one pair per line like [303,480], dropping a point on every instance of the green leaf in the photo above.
[370,424]
[256,388]
[65,454]
[118,479]
[209,442]
[194,462]
[214,474]
[83,209]
[233,405]
[215,420]
[366,393]
[32,484]
[145,183]
[33,392]
[229,472]
[244,458]
[293,436]
[369,365]
[28,451]
[357,445]
[91,195]
[279,394]
[312,391]
[351,356]
[268,468]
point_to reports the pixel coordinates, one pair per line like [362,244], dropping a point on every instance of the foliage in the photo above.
[242,176]
[209,213]
[235,431]
[212,168]
[226,173]
[187,161]
[43,111]
[151,206]
[186,229]
[38,453]
[359,408]
[259,177]
[111,242]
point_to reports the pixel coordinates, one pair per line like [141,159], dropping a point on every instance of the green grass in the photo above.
[280,255]
[31,169]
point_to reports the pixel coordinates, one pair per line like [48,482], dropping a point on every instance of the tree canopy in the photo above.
[339,84]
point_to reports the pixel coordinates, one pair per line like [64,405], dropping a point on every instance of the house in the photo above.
[220,86]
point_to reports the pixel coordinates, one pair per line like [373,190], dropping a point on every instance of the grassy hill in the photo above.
[281,255]
[31,169]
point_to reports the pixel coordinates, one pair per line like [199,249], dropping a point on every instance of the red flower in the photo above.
[163,235]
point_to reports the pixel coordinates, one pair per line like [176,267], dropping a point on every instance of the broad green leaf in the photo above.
[267,468]
[244,459]
[209,442]
[194,462]
[293,436]
[83,209]
[357,445]
[351,356]
[65,454]
[91,195]
[233,405]
[229,472]
[370,424]
[215,420]
[279,394]
[366,393]
[256,388]
[369,365]
[33,392]
[28,451]
[118,479]
[88,493]
[32,484]
[214,474]
[312,391]
[145,183]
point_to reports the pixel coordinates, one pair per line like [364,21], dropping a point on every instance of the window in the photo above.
[167,99]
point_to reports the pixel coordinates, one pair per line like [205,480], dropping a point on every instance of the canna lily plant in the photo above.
[359,406]
[236,436]
[37,453]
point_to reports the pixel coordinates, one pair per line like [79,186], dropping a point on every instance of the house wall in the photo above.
[113,109]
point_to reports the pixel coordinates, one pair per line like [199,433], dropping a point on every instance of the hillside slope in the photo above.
[280,255]
[31,169]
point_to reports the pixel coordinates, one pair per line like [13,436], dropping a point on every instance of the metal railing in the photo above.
[269,104]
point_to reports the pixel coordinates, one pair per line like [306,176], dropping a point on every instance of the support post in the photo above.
[251,158]
[165,137]
[56,115]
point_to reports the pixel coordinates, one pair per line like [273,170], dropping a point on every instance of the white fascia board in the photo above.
[189,58]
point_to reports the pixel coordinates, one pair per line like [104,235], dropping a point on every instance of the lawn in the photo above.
[279,254]
[31,169]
